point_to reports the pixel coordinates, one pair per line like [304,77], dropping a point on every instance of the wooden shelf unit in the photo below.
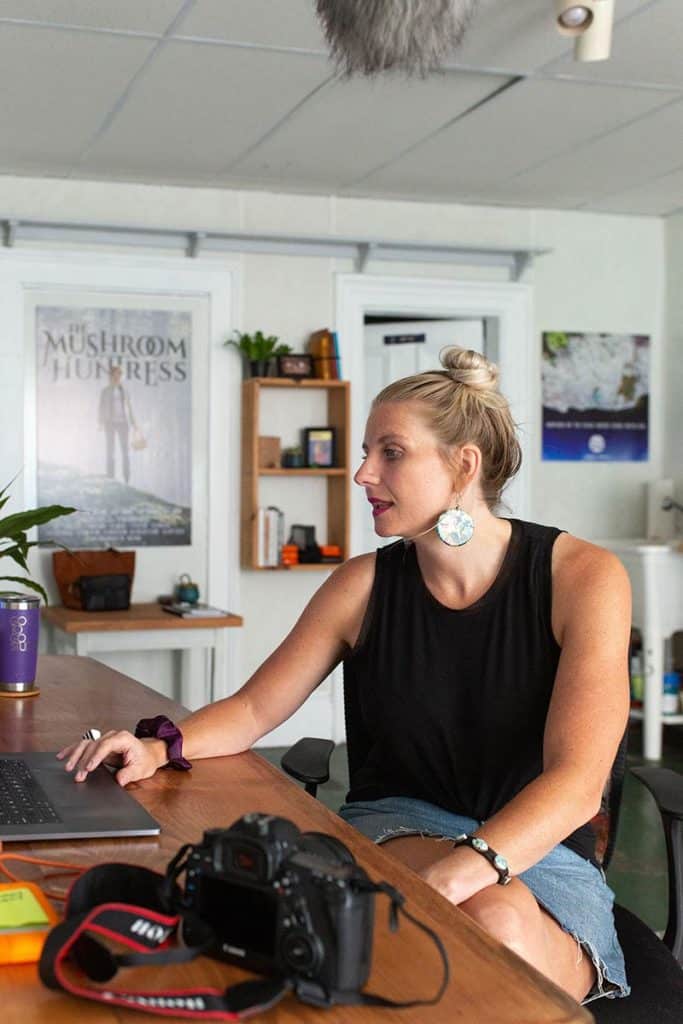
[336,479]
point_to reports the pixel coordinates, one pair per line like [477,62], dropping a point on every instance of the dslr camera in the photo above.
[280,901]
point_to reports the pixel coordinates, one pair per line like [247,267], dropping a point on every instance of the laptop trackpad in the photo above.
[98,807]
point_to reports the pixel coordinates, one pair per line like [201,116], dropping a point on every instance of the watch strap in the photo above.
[496,860]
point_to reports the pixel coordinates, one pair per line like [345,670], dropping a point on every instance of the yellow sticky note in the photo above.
[19,908]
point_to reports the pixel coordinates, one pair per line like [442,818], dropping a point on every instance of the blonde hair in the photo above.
[462,404]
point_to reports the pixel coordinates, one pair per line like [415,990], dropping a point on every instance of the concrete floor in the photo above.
[638,872]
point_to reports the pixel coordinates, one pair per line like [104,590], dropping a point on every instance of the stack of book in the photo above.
[270,536]
[194,611]
[324,347]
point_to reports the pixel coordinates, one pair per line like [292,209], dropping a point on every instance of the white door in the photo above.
[399,348]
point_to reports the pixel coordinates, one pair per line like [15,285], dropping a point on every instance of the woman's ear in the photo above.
[469,462]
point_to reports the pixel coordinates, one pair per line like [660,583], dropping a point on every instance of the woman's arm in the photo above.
[327,628]
[585,723]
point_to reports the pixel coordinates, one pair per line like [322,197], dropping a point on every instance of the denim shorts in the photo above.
[568,887]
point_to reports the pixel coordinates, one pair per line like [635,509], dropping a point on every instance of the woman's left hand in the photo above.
[459,875]
[444,877]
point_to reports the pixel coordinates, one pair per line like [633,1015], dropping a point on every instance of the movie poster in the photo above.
[595,397]
[114,424]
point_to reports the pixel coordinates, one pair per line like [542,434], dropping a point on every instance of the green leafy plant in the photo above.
[258,347]
[14,542]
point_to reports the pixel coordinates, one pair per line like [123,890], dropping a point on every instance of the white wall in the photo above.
[606,273]
[673,366]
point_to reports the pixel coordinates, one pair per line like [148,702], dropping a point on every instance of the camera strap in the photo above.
[145,933]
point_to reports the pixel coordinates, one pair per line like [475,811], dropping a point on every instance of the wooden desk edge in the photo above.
[145,616]
[439,909]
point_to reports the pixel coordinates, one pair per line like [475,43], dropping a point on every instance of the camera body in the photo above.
[284,902]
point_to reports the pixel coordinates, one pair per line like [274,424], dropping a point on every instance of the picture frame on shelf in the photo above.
[320,447]
[296,365]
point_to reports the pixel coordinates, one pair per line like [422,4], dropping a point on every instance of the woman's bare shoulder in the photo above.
[345,595]
[355,576]
[575,559]
[586,580]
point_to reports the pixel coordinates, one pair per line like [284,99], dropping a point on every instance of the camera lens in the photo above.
[328,847]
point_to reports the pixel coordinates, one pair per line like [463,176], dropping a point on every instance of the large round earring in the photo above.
[455,527]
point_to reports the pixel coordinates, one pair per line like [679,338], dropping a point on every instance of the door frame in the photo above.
[508,304]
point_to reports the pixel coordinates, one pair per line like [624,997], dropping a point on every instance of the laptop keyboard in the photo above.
[22,799]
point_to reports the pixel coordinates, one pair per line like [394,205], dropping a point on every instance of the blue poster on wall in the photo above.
[595,397]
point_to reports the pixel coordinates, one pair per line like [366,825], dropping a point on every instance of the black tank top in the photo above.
[450,706]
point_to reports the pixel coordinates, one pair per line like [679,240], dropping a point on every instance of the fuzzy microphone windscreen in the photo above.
[367,37]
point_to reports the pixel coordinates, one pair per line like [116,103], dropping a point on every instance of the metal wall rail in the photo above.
[515,259]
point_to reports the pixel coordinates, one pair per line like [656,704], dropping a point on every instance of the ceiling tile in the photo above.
[645,48]
[623,159]
[124,14]
[658,197]
[519,35]
[262,22]
[351,127]
[199,107]
[515,130]
[62,86]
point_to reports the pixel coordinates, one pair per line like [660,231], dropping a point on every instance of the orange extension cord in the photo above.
[63,868]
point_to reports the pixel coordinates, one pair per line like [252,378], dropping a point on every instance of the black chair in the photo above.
[653,966]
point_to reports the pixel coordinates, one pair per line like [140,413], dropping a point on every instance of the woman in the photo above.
[485,681]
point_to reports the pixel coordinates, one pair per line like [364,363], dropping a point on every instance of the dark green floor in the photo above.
[638,869]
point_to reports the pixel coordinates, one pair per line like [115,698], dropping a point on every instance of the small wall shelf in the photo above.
[302,472]
[335,479]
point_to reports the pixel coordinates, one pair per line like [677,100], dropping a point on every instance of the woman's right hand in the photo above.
[136,759]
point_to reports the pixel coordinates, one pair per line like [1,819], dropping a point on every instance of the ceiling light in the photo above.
[575,17]
[590,24]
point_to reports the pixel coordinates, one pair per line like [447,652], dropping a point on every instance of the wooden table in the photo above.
[489,984]
[147,627]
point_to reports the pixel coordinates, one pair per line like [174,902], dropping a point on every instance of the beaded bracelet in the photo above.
[497,862]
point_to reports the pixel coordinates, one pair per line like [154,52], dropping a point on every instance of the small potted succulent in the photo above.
[293,458]
[14,543]
[258,350]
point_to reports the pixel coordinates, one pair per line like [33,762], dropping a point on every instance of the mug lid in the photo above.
[14,599]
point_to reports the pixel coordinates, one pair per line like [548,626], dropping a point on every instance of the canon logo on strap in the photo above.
[146,929]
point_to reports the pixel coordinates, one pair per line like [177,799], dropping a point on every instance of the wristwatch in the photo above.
[162,728]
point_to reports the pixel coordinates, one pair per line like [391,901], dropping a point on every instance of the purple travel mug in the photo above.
[19,624]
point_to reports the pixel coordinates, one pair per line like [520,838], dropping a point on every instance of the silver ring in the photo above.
[91,734]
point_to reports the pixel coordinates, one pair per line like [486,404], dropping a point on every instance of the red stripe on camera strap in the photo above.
[72,954]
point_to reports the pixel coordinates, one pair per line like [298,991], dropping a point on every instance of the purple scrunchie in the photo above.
[162,728]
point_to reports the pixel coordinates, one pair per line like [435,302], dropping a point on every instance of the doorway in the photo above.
[500,311]
[398,346]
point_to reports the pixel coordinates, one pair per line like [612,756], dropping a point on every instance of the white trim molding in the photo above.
[216,417]
[508,304]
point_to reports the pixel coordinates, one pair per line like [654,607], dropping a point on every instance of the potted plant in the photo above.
[293,458]
[257,350]
[15,544]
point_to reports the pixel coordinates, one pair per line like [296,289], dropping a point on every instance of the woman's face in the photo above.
[404,473]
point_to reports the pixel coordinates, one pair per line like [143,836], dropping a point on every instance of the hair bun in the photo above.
[465,366]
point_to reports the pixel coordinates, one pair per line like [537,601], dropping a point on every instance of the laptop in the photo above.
[40,800]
